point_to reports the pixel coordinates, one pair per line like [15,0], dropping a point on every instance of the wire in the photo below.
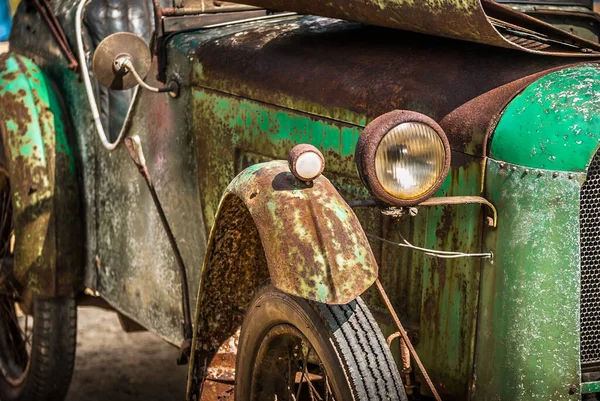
[433,252]
[88,86]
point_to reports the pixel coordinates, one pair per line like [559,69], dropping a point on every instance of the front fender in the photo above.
[314,244]
[44,185]
[306,239]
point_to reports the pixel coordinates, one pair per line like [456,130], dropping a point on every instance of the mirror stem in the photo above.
[124,64]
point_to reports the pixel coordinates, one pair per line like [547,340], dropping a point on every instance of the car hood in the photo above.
[481,21]
[352,73]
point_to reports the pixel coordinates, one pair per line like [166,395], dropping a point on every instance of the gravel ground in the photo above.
[117,366]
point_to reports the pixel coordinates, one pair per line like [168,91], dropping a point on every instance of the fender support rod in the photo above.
[404,336]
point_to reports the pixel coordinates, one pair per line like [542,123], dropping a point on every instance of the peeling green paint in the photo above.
[590,387]
[528,328]
[38,155]
[554,124]
[439,295]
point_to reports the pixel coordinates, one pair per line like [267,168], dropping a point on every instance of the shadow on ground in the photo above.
[113,365]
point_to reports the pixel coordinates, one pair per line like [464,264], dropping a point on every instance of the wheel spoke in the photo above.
[288,368]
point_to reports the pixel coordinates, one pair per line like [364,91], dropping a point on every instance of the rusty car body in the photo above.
[494,274]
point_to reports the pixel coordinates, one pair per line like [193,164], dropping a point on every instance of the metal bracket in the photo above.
[439,201]
[464,200]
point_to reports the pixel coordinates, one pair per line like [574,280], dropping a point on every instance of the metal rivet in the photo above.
[540,173]
[571,176]
[502,165]
[514,168]
[554,175]
[573,389]
[526,171]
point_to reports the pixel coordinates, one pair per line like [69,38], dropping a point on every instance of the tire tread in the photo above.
[354,324]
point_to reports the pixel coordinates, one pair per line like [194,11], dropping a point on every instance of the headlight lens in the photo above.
[409,160]
[403,157]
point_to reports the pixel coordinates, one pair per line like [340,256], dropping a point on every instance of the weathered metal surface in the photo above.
[136,152]
[47,13]
[305,238]
[42,171]
[589,387]
[437,298]
[313,243]
[178,23]
[528,328]
[320,71]
[464,200]
[555,122]
[472,20]
[242,108]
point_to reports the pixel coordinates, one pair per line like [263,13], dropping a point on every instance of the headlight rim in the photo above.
[368,144]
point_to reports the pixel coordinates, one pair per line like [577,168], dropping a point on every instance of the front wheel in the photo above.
[294,349]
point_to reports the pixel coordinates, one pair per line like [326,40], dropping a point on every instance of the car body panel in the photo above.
[528,328]
[42,171]
[555,121]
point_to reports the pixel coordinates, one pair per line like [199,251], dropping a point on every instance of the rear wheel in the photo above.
[292,350]
[37,336]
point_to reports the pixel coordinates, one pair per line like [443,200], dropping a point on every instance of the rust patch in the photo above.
[354,73]
[234,267]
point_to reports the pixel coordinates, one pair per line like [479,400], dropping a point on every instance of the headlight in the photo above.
[403,157]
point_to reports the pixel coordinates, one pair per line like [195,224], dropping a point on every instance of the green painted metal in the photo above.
[305,238]
[554,124]
[589,387]
[39,157]
[269,131]
[314,244]
[528,327]
[436,298]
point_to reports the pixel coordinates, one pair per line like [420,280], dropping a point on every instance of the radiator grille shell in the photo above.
[590,266]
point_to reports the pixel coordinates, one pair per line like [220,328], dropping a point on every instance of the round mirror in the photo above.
[105,61]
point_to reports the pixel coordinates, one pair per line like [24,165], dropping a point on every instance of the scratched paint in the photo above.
[39,157]
[555,122]
[528,328]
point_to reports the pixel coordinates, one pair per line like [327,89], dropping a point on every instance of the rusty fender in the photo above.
[44,184]
[306,239]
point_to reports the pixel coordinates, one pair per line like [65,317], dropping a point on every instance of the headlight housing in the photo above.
[403,157]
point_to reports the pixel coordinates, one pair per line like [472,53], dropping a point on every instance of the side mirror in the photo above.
[119,58]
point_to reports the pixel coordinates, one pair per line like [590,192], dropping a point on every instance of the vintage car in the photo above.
[276,188]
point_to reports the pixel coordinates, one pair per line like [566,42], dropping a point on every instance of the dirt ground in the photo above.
[117,366]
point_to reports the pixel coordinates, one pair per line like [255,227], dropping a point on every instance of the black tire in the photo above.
[51,357]
[36,362]
[353,359]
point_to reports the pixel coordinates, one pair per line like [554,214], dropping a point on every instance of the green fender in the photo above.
[306,239]
[554,124]
[41,168]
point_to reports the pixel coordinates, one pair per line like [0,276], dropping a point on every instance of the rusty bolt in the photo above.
[573,389]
